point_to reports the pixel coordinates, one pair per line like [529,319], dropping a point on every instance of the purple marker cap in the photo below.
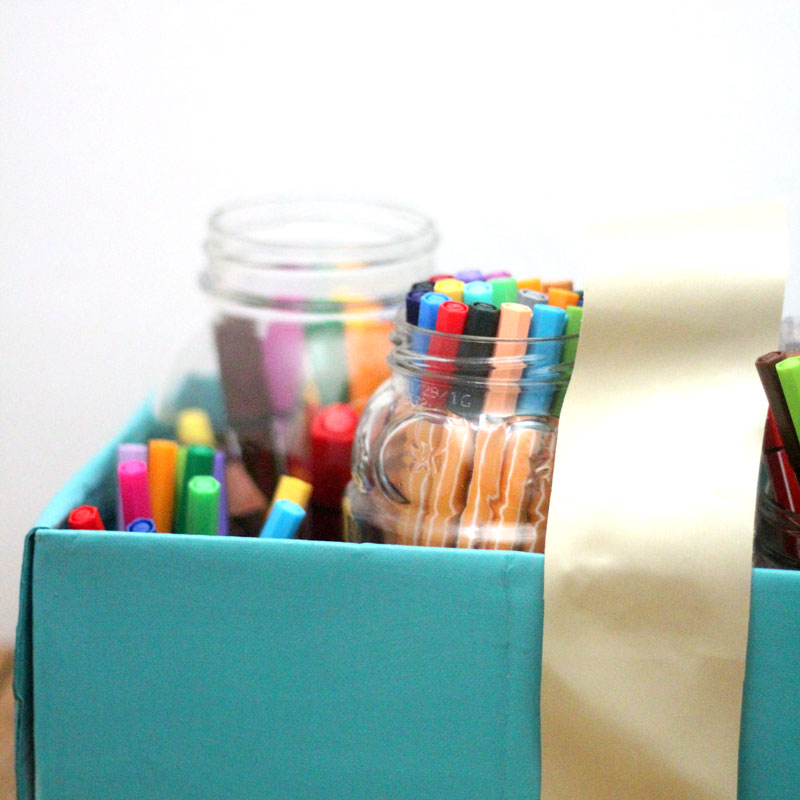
[127,451]
[491,275]
[469,275]
[219,473]
[282,347]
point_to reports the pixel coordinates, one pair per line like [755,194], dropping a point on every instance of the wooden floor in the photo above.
[7,791]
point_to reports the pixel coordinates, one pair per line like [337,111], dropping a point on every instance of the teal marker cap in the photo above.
[202,515]
[283,521]
[477,292]
[504,290]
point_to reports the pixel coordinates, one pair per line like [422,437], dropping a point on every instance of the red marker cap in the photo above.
[85,518]
[434,278]
[332,433]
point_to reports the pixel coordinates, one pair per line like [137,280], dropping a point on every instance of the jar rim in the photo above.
[233,224]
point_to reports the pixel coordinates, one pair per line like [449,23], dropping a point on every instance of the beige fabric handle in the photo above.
[647,571]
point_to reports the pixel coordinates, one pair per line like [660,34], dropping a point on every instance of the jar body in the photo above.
[303,294]
[431,468]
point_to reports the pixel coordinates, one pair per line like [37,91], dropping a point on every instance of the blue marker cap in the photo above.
[141,525]
[469,275]
[429,309]
[412,305]
[477,292]
[547,322]
[283,521]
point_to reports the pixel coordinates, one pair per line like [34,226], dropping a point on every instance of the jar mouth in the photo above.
[274,252]
[334,233]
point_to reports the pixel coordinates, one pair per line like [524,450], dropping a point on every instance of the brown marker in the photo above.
[777,402]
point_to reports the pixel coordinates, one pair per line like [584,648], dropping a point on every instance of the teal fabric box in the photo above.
[161,666]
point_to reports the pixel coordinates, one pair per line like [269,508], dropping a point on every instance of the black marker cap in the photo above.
[482,320]
[425,286]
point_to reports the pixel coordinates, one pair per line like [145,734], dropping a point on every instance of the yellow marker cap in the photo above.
[294,489]
[535,284]
[194,427]
[453,288]
[562,298]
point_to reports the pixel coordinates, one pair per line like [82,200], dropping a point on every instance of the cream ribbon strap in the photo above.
[647,568]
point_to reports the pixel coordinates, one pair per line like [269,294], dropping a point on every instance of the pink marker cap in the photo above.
[134,491]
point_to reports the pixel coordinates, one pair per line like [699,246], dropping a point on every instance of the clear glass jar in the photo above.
[776,541]
[303,293]
[457,450]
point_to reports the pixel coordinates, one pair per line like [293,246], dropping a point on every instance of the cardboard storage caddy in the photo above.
[153,666]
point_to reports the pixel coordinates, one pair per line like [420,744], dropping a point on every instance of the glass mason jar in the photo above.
[776,542]
[457,449]
[303,295]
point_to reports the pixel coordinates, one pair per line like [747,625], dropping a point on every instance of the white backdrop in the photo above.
[123,125]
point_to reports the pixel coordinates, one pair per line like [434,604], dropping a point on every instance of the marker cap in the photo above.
[141,525]
[528,297]
[284,520]
[504,290]
[548,285]
[478,292]
[219,472]
[426,286]
[85,518]
[435,278]
[134,490]
[534,284]
[202,515]
[199,461]
[514,324]
[294,489]
[412,305]
[469,275]
[128,451]
[429,309]
[162,458]
[453,288]
[194,427]
[333,430]
[772,436]
[493,275]
[562,298]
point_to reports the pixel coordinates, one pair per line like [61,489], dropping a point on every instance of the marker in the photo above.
[534,284]
[561,298]
[468,395]
[451,319]
[469,275]
[199,461]
[514,324]
[489,276]
[504,290]
[332,433]
[127,452]
[548,322]
[141,525]
[478,292]
[162,457]
[783,478]
[789,375]
[194,427]
[572,328]
[435,278]
[218,472]
[528,297]
[426,286]
[451,287]
[202,507]
[283,521]
[766,366]
[412,305]
[135,491]
[180,471]
[428,311]
[548,285]
[294,489]
[85,518]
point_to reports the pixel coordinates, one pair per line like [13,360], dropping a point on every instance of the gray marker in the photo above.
[530,298]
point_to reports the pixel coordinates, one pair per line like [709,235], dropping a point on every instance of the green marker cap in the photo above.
[789,375]
[202,515]
[199,461]
[504,290]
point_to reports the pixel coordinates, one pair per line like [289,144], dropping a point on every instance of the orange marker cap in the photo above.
[548,285]
[530,283]
[562,297]
[515,323]
[162,458]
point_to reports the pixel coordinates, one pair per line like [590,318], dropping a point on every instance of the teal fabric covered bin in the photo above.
[168,666]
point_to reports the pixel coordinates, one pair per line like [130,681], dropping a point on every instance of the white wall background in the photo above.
[123,124]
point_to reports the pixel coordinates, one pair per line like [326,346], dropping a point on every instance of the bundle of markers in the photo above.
[780,375]
[469,452]
[188,486]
